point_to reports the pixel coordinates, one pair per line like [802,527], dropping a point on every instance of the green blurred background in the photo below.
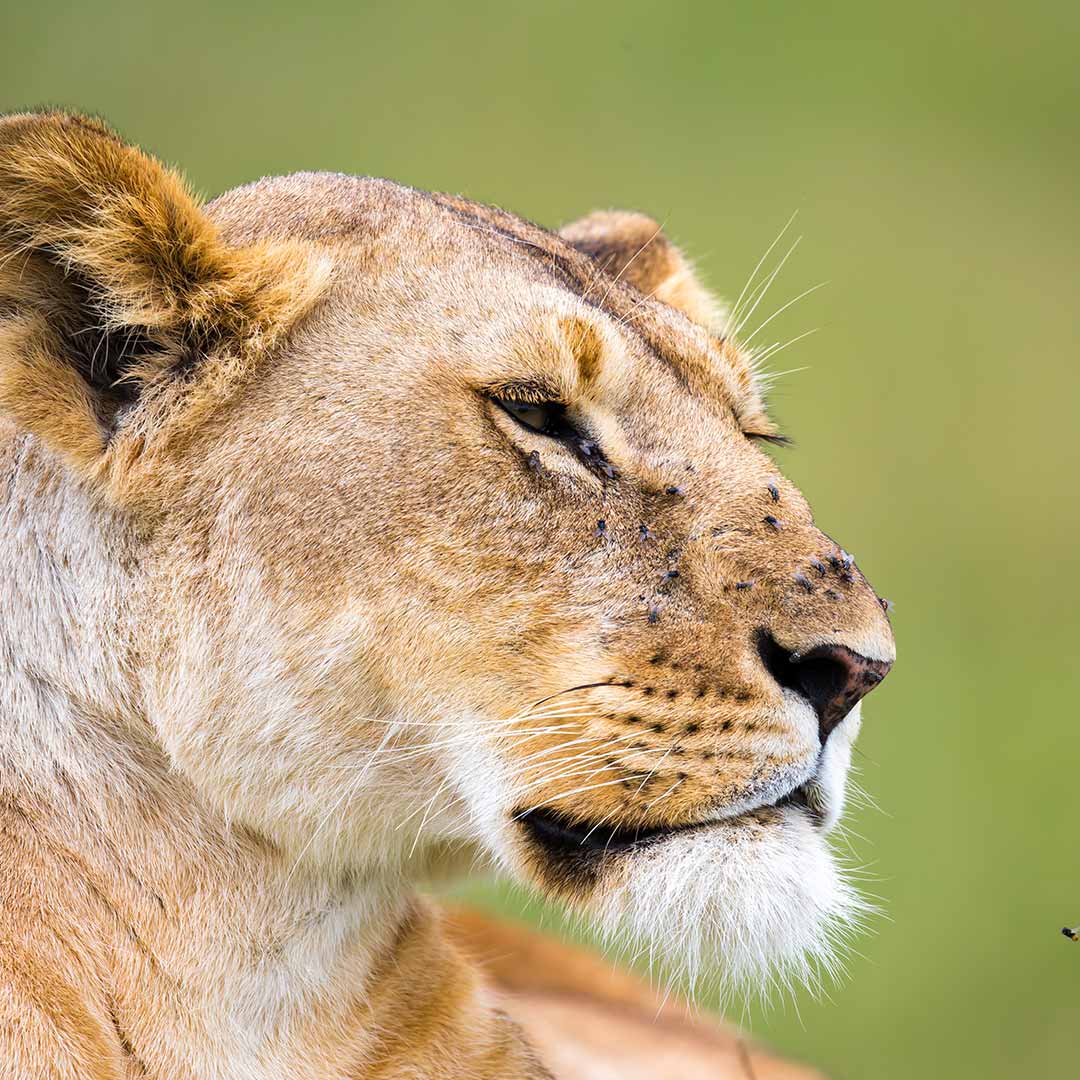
[932,152]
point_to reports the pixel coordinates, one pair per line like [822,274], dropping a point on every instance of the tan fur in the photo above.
[78,205]
[632,247]
[291,614]
[591,1020]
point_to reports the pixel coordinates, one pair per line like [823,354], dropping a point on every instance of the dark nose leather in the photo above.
[833,678]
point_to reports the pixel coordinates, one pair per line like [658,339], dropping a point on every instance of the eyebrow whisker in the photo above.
[753,273]
[765,288]
[626,266]
[772,350]
[780,311]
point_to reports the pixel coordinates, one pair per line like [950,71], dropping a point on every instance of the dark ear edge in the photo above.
[633,248]
[114,283]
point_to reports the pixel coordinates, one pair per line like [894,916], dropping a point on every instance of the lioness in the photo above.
[352,533]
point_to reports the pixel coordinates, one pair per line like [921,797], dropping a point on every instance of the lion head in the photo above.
[431,528]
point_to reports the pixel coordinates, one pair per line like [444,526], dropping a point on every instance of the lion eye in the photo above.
[550,419]
[545,417]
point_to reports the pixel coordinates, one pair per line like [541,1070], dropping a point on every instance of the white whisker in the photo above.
[772,350]
[780,311]
[629,263]
[761,293]
[753,273]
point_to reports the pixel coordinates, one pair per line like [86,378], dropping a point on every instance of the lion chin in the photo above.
[747,901]
[750,903]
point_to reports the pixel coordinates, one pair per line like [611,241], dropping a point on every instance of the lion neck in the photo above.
[259,956]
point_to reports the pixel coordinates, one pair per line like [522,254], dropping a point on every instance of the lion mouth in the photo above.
[807,797]
[562,838]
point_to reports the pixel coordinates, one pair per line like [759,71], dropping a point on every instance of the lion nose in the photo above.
[833,678]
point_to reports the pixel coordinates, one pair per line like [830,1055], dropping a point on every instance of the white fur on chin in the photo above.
[751,906]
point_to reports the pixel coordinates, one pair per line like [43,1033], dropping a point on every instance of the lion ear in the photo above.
[115,287]
[633,248]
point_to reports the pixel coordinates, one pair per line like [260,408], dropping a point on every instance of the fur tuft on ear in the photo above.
[633,248]
[114,284]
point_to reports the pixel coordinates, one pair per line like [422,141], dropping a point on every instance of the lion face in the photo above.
[484,550]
